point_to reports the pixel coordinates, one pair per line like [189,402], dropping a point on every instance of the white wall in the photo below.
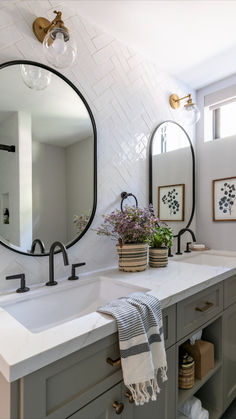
[9,179]
[215,159]
[16,180]
[25,179]
[49,193]
[128,97]
[79,183]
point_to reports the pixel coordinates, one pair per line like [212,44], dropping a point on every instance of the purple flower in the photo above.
[133,225]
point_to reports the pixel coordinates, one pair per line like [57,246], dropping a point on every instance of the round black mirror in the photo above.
[48,159]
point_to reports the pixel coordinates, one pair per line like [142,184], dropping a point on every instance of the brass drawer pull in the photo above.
[205,308]
[129,397]
[118,407]
[114,362]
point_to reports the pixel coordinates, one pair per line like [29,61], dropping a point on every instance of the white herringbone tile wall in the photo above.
[128,96]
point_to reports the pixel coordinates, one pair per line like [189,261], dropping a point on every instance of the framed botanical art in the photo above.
[224,199]
[171,202]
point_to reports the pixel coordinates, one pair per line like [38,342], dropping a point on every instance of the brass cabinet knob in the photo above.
[113,362]
[118,407]
[129,397]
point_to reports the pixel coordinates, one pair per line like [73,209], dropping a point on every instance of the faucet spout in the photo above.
[40,243]
[51,260]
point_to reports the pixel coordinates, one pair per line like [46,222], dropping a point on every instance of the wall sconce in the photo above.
[59,49]
[192,115]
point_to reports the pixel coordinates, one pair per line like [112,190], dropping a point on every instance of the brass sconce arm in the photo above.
[41,26]
[174,100]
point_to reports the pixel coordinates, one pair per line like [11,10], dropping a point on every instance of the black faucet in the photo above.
[182,231]
[51,261]
[40,243]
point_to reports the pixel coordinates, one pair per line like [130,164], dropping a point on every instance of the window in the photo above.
[220,114]
[169,137]
[225,121]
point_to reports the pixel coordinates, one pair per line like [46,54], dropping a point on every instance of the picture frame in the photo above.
[224,199]
[171,201]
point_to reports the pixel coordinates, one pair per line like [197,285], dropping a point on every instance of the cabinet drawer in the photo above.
[169,325]
[68,384]
[229,291]
[194,311]
[101,407]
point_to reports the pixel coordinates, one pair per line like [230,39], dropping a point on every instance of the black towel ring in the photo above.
[125,195]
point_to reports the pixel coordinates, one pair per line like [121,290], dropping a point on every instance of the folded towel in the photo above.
[192,408]
[204,414]
[141,340]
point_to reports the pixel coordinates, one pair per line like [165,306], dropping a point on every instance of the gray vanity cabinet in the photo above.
[229,354]
[84,385]
[165,405]
[163,408]
[229,341]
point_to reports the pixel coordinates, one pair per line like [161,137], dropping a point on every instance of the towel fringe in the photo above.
[140,391]
[164,373]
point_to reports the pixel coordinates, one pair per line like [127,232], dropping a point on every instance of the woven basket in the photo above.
[158,258]
[132,257]
[186,377]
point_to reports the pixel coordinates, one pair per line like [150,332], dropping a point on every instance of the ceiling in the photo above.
[195,40]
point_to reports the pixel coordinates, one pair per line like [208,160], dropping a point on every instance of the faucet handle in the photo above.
[187,247]
[73,267]
[22,288]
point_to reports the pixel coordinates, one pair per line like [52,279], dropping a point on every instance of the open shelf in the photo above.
[209,388]
[186,394]
[209,394]
[213,412]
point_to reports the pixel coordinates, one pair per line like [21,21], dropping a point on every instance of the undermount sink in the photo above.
[50,308]
[210,260]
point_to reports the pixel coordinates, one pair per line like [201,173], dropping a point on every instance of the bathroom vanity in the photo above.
[59,358]
[61,370]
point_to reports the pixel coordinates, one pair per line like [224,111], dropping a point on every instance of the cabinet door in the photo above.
[229,355]
[102,407]
[165,405]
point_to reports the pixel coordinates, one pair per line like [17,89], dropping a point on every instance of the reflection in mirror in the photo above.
[47,186]
[171,178]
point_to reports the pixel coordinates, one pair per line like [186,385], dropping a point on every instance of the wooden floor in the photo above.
[230,412]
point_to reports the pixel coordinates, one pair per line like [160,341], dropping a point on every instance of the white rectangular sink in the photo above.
[210,260]
[47,308]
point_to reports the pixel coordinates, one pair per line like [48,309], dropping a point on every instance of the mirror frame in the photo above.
[193,168]
[66,80]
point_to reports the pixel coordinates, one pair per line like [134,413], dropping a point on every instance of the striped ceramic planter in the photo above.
[132,257]
[158,258]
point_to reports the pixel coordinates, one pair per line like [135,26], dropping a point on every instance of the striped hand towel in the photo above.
[141,340]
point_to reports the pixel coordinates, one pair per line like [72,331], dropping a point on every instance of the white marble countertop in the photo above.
[23,352]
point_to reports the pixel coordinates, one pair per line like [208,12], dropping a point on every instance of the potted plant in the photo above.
[133,228]
[161,239]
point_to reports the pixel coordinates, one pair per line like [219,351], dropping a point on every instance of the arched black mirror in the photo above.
[48,158]
[172,175]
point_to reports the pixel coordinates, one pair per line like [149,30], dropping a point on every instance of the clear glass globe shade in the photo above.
[35,77]
[191,114]
[58,49]
[58,44]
